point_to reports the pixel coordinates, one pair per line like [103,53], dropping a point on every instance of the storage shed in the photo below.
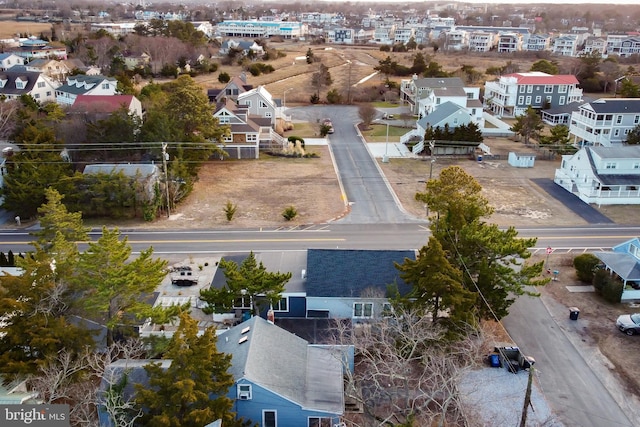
[522,160]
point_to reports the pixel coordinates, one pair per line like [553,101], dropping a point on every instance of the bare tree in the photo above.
[8,111]
[367,114]
[405,371]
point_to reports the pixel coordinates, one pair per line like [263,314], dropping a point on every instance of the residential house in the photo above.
[624,261]
[133,61]
[340,35]
[116,29]
[448,115]
[16,393]
[456,39]
[403,34]
[536,43]
[101,106]
[363,35]
[352,284]
[606,121]
[84,85]
[384,33]
[622,45]
[247,48]
[512,94]
[602,175]
[560,115]
[279,378]
[56,69]
[8,60]
[32,48]
[509,42]
[14,84]
[424,95]
[234,87]
[565,45]
[246,132]
[482,41]
[76,64]
[594,44]
[262,104]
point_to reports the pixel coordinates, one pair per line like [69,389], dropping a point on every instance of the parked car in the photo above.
[329,124]
[386,116]
[629,323]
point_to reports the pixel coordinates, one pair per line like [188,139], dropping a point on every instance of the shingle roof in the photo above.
[284,364]
[439,114]
[616,105]
[9,88]
[102,103]
[345,273]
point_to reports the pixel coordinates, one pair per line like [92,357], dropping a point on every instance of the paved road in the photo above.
[370,197]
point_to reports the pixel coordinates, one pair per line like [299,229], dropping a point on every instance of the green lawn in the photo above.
[378,133]
[303,130]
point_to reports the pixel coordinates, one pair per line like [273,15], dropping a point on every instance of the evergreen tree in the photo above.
[191,392]
[545,66]
[437,286]
[54,218]
[492,259]
[115,287]
[633,138]
[249,280]
[528,125]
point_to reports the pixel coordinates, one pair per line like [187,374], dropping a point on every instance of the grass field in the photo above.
[9,29]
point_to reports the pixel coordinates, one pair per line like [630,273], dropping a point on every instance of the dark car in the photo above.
[629,323]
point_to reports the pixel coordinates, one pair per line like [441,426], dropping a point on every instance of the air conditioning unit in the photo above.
[244,395]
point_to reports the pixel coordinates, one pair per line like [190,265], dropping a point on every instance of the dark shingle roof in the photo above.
[344,273]
[618,105]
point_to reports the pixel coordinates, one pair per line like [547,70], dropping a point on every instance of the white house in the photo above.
[85,85]
[602,175]
[8,60]
[14,84]
[606,121]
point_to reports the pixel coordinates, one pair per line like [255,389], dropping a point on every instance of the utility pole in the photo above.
[527,399]
[165,157]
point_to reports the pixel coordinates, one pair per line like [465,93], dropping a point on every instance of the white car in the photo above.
[629,323]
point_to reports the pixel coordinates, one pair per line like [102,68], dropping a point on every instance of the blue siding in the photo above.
[287,412]
[297,308]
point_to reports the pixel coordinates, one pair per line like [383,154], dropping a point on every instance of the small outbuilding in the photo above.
[522,160]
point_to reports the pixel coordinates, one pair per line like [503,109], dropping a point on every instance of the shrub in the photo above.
[585,266]
[612,290]
[314,99]
[600,278]
[224,77]
[230,210]
[289,213]
[334,97]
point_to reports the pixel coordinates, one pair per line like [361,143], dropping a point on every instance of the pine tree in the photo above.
[54,219]
[251,280]
[192,390]
[114,286]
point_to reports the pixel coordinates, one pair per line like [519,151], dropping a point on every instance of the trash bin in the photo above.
[574,312]
[479,158]
[494,360]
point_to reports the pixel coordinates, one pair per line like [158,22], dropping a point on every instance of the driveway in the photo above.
[573,202]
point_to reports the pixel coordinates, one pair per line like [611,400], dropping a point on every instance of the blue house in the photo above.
[352,283]
[624,261]
[280,379]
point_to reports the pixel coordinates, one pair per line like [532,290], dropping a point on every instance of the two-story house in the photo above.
[536,43]
[260,103]
[232,89]
[8,60]
[14,84]
[602,175]
[565,45]
[512,94]
[56,69]
[509,42]
[84,85]
[606,121]
[339,35]
[247,133]
[482,41]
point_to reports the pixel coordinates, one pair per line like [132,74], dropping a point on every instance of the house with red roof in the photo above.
[101,106]
[511,94]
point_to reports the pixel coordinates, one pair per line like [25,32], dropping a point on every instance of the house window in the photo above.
[252,137]
[616,132]
[48,93]
[387,309]
[562,89]
[437,101]
[538,100]
[105,86]
[520,100]
[528,100]
[636,120]
[282,305]
[363,309]
[473,111]
[227,138]
[522,88]
[41,84]
[319,422]
[548,89]
[267,114]
[636,165]
[243,302]
[529,88]
[549,99]
[244,392]
[19,84]
[455,121]
[36,96]
[610,165]
[618,119]
[561,101]
[269,419]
